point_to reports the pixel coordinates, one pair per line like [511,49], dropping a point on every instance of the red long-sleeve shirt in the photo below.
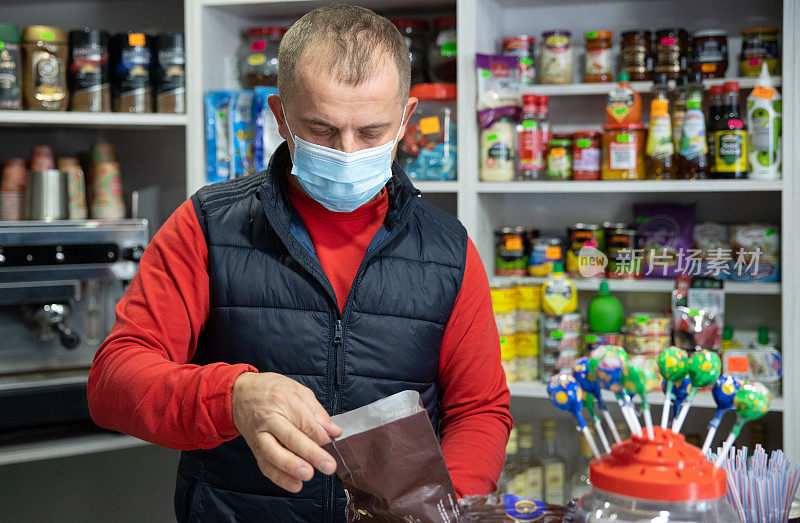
[142,384]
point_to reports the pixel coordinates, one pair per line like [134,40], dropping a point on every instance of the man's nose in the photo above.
[347,143]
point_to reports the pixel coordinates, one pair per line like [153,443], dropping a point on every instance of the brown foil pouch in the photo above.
[389,460]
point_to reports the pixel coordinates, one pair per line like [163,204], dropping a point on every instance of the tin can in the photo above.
[528,305]
[624,251]
[578,235]
[522,46]
[508,353]
[504,305]
[570,322]
[592,340]
[558,353]
[527,356]
[509,248]
[545,251]
[647,324]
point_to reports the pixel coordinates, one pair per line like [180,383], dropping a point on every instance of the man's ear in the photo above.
[275,106]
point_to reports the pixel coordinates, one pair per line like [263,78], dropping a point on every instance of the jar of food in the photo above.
[442,51]
[89,75]
[599,60]
[10,67]
[623,246]
[759,44]
[672,52]
[522,47]
[258,57]
[559,159]
[428,148]
[544,252]
[710,53]
[498,150]
[169,75]
[637,56]
[556,57]
[415,33]
[44,68]
[511,258]
[586,155]
[623,151]
[133,90]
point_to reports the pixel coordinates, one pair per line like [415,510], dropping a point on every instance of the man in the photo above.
[268,303]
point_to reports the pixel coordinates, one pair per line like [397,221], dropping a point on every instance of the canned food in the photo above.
[522,47]
[624,251]
[529,296]
[527,320]
[504,297]
[510,256]
[558,353]
[506,323]
[508,353]
[592,340]
[545,251]
[646,345]
[569,322]
[578,235]
[647,324]
[527,359]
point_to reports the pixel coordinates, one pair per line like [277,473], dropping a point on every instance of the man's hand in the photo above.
[284,425]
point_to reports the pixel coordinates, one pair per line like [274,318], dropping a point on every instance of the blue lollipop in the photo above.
[681,391]
[724,392]
[608,373]
[566,394]
[580,371]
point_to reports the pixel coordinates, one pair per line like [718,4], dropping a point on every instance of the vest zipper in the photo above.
[337,355]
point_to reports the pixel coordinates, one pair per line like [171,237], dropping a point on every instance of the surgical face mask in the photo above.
[340,181]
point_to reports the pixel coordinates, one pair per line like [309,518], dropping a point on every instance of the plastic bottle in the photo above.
[624,105]
[694,147]
[558,293]
[730,137]
[714,116]
[660,150]
[727,340]
[679,110]
[764,122]
[605,312]
[544,125]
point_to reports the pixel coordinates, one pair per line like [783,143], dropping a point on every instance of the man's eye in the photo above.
[321,132]
[371,136]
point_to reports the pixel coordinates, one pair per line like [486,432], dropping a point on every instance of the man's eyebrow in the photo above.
[322,123]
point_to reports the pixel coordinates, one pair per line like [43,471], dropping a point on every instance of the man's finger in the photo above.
[302,415]
[300,444]
[321,417]
[271,451]
[279,477]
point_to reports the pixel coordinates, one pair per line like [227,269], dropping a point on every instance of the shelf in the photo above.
[703,399]
[640,87]
[436,187]
[62,448]
[651,285]
[631,186]
[90,120]
[297,8]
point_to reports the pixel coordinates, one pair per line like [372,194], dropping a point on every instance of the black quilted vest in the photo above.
[272,306]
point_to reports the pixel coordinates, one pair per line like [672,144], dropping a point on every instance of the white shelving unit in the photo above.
[90,120]
[650,285]
[632,186]
[602,89]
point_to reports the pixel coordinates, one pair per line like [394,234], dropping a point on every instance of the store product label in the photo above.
[48,76]
[534,482]
[522,509]
[599,61]
[731,150]
[622,156]
[9,72]
[693,137]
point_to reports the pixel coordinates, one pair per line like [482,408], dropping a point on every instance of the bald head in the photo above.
[351,44]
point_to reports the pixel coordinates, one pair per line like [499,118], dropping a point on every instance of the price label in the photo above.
[429,125]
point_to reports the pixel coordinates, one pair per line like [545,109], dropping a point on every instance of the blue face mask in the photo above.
[340,181]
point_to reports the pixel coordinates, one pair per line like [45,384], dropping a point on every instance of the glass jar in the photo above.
[759,44]
[623,152]
[523,47]
[428,148]
[498,145]
[559,159]
[44,68]
[556,57]
[415,33]
[89,74]
[442,51]
[258,57]
[710,53]
[637,56]
[672,52]
[10,67]
[586,155]
[599,59]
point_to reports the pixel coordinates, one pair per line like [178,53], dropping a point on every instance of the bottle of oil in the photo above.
[679,110]
[529,481]
[555,468]
[694,147]
[660,149]
[714,116]
[506,481]
[730,137]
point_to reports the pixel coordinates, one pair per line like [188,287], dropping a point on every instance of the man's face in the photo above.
[340,116]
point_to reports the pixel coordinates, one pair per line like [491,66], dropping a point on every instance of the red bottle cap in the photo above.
[445,21]
[730,87]
[664,469]
[715,89]
[434,91]
[267,31]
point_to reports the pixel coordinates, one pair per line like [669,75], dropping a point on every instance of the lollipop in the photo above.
[566,394]
[608,373]
[724,392]
[680,391]
[751,402]
[580,371]
[672,365]
[588,404]
[704,367]
[639,378]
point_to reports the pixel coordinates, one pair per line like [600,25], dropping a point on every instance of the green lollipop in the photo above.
[588,404]
[751,402]
[639,378]
[704,368]
[672,365]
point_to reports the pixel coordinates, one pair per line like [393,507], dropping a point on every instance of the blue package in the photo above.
[218,157]
[267,138]
[241,133]
[523,509]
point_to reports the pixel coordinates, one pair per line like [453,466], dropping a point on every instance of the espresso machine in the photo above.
[59,284]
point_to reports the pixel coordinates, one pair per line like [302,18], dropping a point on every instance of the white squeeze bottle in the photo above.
[764,126]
